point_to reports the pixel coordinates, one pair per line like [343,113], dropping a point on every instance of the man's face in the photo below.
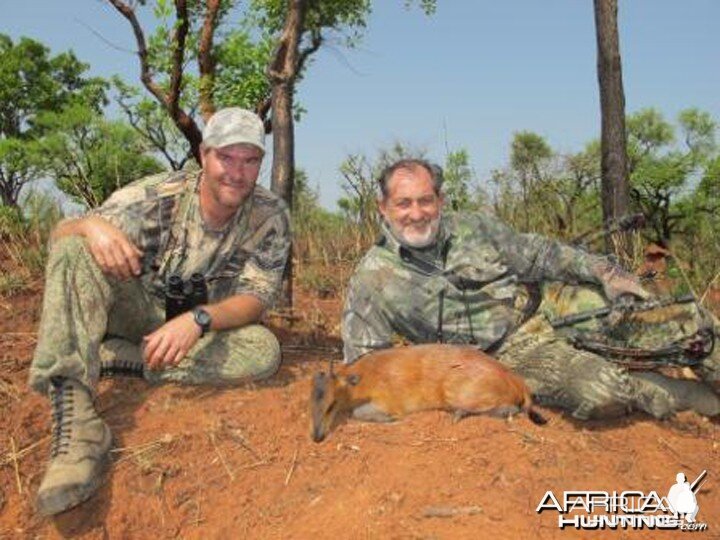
[230,173]
[411,207]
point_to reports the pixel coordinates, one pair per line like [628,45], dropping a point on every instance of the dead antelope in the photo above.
[388,384]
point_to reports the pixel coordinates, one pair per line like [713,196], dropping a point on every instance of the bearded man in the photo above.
[470,279]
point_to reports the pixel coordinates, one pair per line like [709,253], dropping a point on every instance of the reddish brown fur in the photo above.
[402,380]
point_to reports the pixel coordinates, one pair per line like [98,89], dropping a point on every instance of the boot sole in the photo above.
[64,498]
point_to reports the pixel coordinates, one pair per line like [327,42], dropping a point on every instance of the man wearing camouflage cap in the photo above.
[103,307]
[469,279]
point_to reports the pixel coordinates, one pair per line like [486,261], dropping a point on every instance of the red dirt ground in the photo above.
[205,463]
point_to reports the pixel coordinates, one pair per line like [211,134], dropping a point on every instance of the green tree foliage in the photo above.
[528,151]
[530,159]
[207,55]
[90,157]
[696,230]
[239,55]
[675,182]
[19,164]
[32,82]
[708,191]
[578,187]
[460,182]
[647,131]
[241,79]
[153,124]
[547,192]
[699,130]
[428,6]
[341,21]
[664,174]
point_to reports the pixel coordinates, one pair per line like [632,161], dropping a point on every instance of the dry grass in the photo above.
[145,455]
[16,455]
[12,284]
[8,391]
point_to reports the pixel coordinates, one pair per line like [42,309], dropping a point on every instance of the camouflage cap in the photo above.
[234,126]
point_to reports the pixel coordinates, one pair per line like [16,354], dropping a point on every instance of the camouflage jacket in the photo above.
[161,216]
[483,271]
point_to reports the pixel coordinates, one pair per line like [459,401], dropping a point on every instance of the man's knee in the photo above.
[608,393]
[71,246]
[70,256]
[254,353]
[593,388]
[226,358]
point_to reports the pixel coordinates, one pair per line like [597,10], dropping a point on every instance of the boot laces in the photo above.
[63,401]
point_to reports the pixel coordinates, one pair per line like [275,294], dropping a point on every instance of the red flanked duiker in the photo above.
[385,385]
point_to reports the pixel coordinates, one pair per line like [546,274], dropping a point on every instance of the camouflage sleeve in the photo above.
[538,258]
[263,271]
[127,209]
[364,327]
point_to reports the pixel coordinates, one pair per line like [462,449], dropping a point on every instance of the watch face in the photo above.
[202,317]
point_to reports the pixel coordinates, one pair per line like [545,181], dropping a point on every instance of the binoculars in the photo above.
[182,296]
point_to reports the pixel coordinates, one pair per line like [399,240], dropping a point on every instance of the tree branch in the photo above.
[178,55]
[169,101]
[283,68]
[206,61]
[145,74]
[316,40]
[262,109]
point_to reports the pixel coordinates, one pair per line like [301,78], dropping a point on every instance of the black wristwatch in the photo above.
[202,319]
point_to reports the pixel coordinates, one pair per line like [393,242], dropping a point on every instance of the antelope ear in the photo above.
[353,379]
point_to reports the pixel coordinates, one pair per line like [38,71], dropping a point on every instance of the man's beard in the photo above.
[415,239]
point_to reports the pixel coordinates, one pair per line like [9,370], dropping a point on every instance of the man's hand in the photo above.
[114,253]
[170,343]
[617,282]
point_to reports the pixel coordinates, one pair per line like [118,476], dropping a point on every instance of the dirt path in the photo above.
[202,463]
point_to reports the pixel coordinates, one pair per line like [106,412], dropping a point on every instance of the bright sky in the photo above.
[472,74]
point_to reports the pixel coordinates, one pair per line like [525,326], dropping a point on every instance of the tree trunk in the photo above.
[283,132]
[190,130]
[8,200]
[283,163]
[10,193]
[615,185]
[282,73]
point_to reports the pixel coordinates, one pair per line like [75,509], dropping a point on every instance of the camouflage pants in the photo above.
[87,314]
[582,382]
